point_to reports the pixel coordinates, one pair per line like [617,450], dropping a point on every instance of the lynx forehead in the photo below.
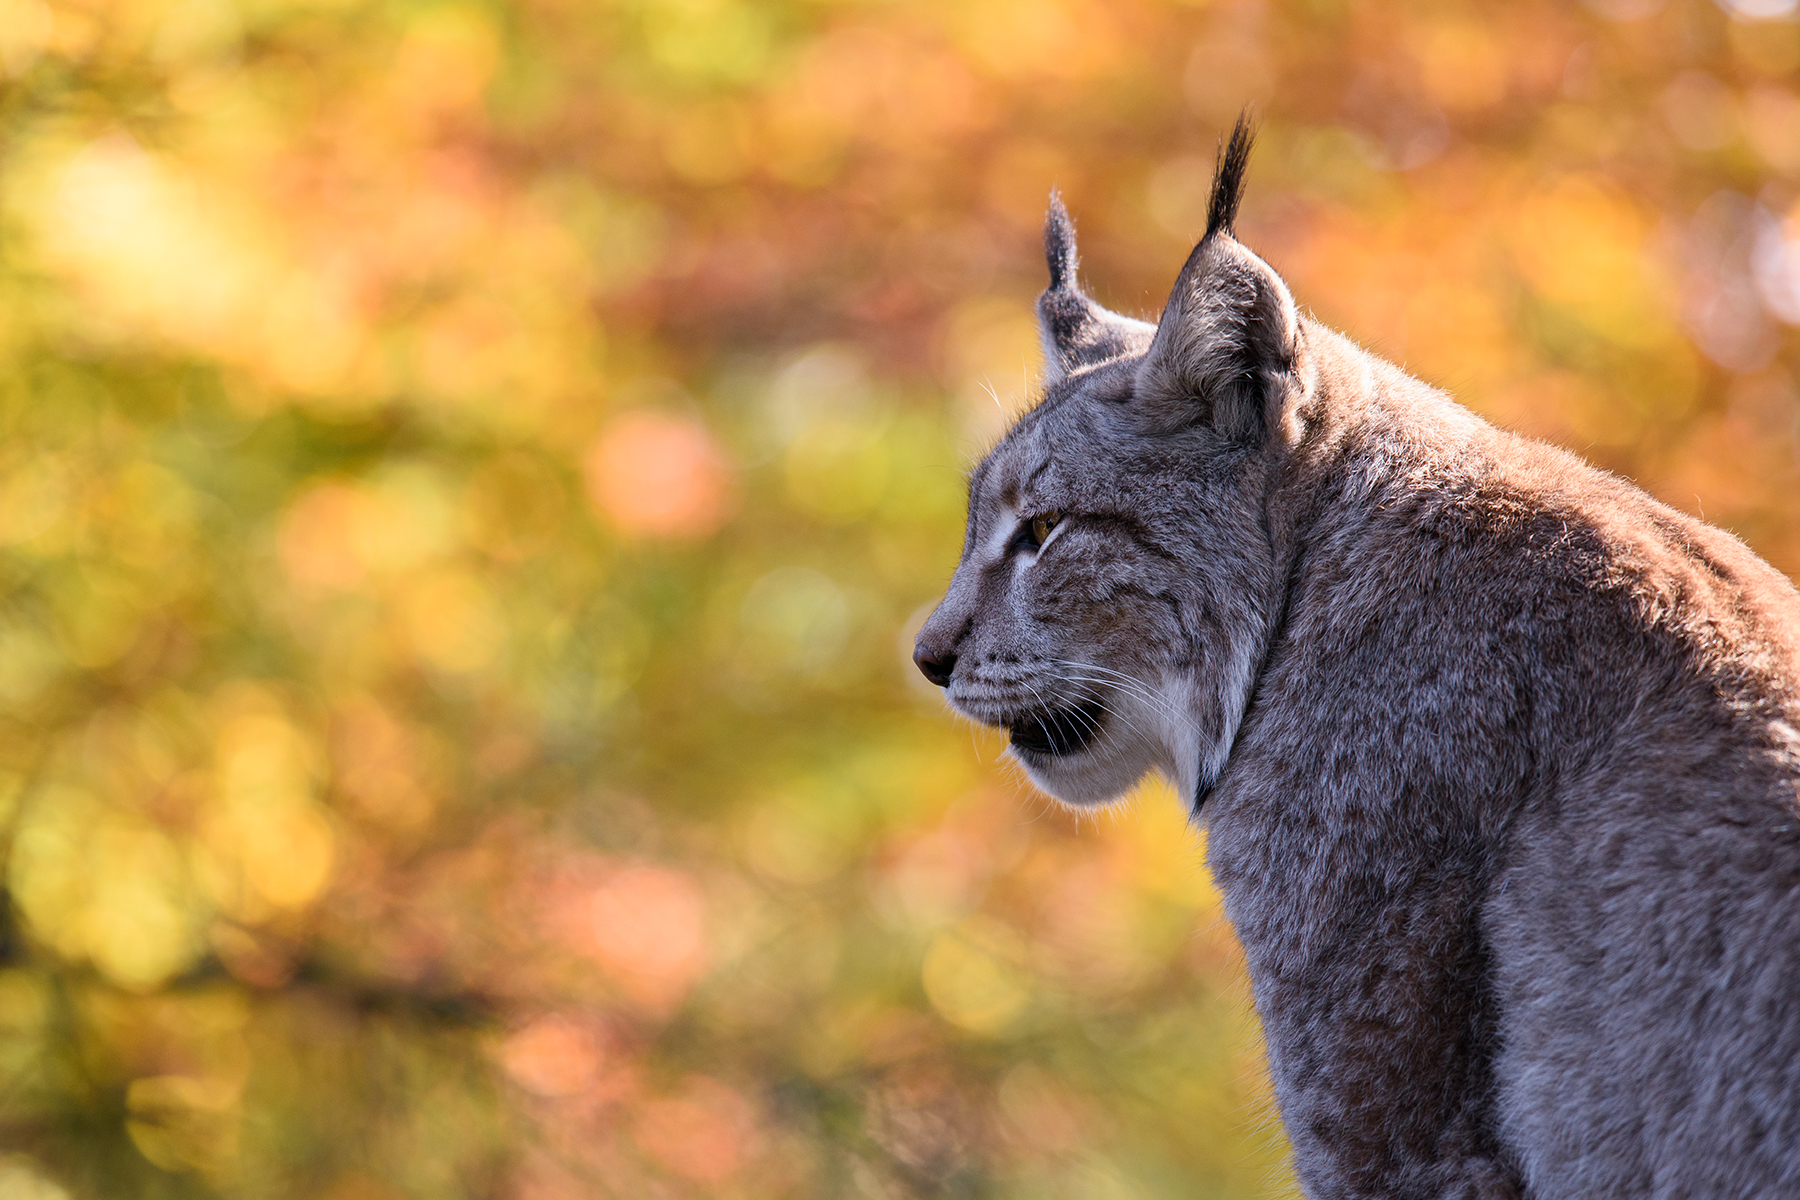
[1497,754]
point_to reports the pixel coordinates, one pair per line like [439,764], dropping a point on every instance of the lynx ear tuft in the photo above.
[1226,350]
[1059,245]
[1228,177]
[1077,332]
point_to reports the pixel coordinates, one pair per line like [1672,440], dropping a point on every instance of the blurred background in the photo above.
[471,472]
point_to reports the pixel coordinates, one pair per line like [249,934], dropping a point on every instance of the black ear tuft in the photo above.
[1059,245]
[1228,178]
[1076,332]
[1226,349]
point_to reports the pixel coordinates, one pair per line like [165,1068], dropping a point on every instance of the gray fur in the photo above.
[1077,332]
[1498,755]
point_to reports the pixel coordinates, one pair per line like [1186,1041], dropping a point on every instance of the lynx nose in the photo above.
[935,669]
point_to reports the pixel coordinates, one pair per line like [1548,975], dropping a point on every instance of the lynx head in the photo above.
[1117,580]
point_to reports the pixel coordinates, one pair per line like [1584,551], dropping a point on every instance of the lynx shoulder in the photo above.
[1499,758]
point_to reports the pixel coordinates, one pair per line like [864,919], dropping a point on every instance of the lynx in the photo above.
[1497,756]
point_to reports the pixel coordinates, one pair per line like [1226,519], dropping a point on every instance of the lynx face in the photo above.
[1106,610]
[1116,584]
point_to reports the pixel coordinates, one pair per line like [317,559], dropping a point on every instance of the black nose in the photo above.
[935,669]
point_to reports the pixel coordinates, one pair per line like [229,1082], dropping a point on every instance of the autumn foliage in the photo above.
[471,471]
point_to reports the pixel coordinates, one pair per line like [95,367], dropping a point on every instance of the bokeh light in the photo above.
[472,473]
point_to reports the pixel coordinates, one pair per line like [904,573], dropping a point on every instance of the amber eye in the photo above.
[1041,526]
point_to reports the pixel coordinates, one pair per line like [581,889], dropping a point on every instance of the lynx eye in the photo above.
[1042,525]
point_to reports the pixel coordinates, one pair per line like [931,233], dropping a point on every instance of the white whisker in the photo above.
[1127,684]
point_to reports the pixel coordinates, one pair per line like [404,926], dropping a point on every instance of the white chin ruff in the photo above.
[1140,736]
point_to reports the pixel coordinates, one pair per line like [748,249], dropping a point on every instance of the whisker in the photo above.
[1118,714]
[1126,683]
[1129,686]
[1137,690]
[1099,694]
[1049,729]
[1091,722]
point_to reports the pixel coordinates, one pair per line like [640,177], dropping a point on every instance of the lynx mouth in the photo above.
[1059,731]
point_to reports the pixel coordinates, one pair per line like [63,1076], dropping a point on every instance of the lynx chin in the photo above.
[1499,758]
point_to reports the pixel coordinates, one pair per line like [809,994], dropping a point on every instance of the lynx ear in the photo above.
[1077,332]
[1226,347]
